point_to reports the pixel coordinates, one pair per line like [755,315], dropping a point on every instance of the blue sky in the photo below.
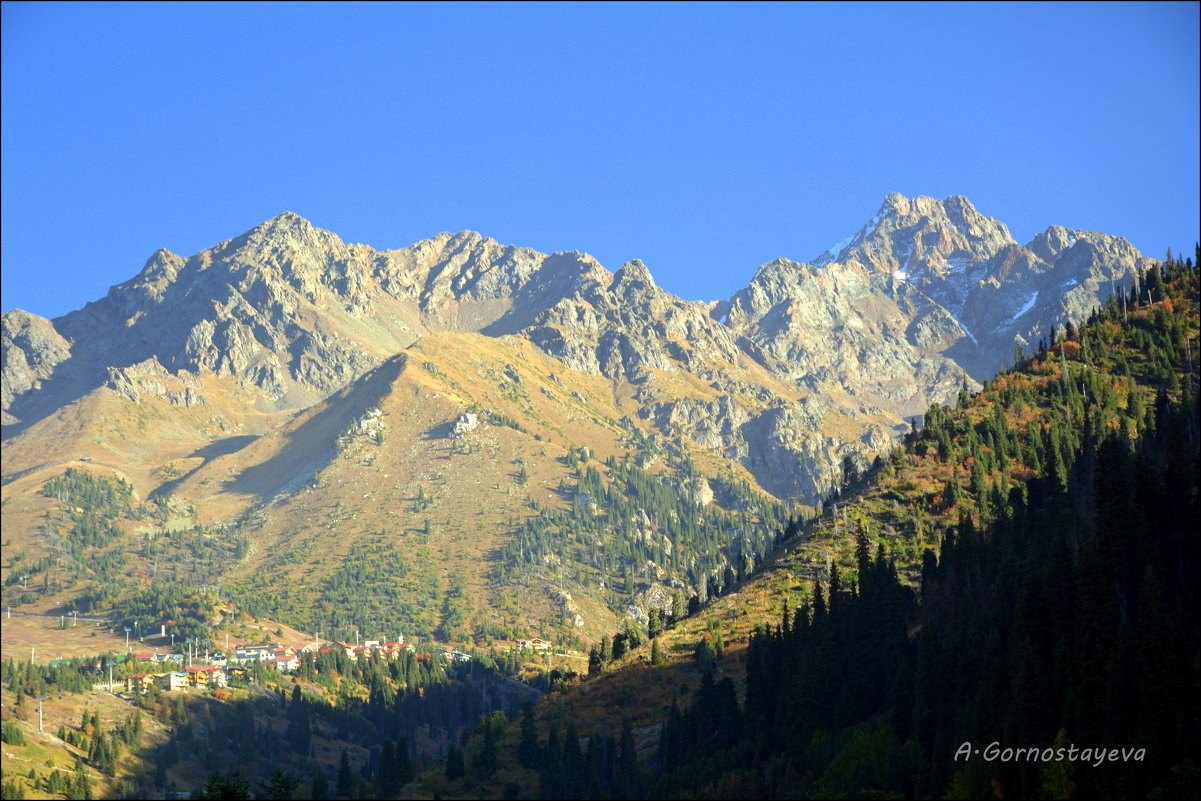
[702,139]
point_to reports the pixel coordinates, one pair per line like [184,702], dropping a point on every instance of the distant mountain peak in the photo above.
[634,271]
[288,218]
[467,238]
[283,223]
[924,230]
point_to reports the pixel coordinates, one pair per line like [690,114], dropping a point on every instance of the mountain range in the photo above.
[328,400]
[810,362]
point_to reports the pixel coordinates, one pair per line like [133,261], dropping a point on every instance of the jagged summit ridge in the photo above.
[986,293]
[291,310]
[921,232]
[867,335]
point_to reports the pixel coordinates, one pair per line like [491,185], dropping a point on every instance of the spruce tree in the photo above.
[387,785]
[405,770]
[455,769]
[345,777]
[320,787]
[528,751]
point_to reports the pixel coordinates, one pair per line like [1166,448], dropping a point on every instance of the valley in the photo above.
[464,445]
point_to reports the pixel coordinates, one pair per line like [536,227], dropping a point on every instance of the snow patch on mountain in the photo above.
[1029,304]
[833,252]
[965,330]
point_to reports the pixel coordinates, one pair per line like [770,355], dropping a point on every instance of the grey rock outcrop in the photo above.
[149,378]
[32,349]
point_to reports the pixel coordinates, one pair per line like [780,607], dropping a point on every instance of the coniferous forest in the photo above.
[1047,649]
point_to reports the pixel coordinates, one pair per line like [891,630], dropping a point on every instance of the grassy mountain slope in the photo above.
[284,513]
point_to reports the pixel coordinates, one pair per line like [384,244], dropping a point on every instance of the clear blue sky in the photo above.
[702,139]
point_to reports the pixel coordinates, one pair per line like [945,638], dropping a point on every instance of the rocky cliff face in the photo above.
[924,292]
[811,362]
[32,349]
[626,325]
[849,326]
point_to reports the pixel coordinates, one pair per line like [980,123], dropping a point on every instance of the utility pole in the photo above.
[110,678]
[126,639]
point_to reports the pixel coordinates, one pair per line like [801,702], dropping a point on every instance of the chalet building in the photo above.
[174,680]
[536,644]
[139,683]
[285,659]
[391,650]
[395,649]
[256,653]
[206,676]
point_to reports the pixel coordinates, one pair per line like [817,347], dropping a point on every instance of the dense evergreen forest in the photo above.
[382,720]
[1050,647]
[1062,611]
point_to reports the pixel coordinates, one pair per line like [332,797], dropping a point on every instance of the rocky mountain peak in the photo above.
[1057,241]
[467,239]
[281,226]
[925,291]
[282,237]
[923,232]
[633,275]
